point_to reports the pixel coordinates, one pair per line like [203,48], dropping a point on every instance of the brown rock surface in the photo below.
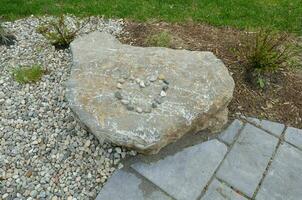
[146,98]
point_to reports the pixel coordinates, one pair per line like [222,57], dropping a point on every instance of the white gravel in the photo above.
[44,152]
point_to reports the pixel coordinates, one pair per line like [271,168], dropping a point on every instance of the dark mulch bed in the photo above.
[280,101]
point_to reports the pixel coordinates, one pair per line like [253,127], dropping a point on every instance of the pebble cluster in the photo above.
[126,99]
[44,152]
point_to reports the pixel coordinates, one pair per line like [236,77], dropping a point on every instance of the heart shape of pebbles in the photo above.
[148,105]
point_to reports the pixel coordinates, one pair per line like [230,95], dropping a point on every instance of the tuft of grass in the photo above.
[266,52]
[5,37]
[59,31]
[28,74]
[162,39]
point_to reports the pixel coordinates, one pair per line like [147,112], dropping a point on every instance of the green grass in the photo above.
[28,74]
[162,39]
[285,15]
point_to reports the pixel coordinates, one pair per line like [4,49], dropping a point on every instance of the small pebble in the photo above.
[119,86]
[166,82]
[139,110]
[5,196]
[161,77]
[138,80]
[165,88]
[121,80]
[147,83]
[118,95]
[153,78]
[54,198]
[125,101]
[130,107]
[163,93]
[154,105]
[118,150]
[142,84]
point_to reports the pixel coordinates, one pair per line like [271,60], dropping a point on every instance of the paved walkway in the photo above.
[250,160]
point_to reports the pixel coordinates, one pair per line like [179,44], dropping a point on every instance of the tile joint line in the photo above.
[229,147]
[281,140]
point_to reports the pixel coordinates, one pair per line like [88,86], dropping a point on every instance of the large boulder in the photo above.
[146,98]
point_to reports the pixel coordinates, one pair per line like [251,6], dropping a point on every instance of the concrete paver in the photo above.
[248,159]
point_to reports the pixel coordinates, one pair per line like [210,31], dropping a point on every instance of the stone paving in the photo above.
[251,159]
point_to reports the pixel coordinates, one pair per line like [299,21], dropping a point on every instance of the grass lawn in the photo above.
[284,15]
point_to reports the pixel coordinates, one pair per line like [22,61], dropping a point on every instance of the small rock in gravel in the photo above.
[161,77]
[121,80]
[147,83]
[119,86]
[165,88]
[130,107]
[142,84]
[118,150]
[154,105]
[153,78]
[139,110]
[4,196]
[125,102]
[163,93]
[118,95]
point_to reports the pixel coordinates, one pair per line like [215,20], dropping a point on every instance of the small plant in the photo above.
[162,39]
[28,74]
[265,52]
[60,31]
[5,37]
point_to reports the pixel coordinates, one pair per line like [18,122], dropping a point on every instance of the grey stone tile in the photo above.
[247,160]
[220,191]
[231,132]
[127,186]
[273,127]
[294,136]
[283,180]
[185,174]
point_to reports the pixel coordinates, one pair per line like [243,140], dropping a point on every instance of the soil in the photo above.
[280,100]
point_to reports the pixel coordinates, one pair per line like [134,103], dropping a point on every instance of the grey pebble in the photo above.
[142,84]
[153,78]
[166,82]
[165,88]
[118,95]
[130,107]
[139,110]
[125,101]
[119,86]
[163,93]
[154,105]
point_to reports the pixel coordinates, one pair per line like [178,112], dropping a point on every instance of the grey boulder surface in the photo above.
[146,98]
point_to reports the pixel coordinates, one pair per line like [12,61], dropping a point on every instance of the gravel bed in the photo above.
[44,152]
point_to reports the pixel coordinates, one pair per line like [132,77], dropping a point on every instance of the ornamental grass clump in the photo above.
[28,74]
[162,39]
[60,31]
[265,52]
[6,38]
